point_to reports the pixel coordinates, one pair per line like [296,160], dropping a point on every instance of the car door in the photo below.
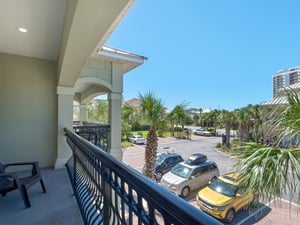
[168,164]
[213,170]
[205,175]
[242,200]
[176,160]
[196,178]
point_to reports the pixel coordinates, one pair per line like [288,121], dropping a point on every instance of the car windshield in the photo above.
[223,187]
[159,160]
[181,170]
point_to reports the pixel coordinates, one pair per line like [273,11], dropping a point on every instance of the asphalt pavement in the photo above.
[276,212]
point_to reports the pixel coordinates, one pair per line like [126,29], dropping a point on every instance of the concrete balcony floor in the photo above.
[57,206]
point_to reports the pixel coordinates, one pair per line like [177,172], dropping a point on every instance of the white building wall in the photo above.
[98,69]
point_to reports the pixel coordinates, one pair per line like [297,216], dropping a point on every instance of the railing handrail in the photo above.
[172,209]
[98,134]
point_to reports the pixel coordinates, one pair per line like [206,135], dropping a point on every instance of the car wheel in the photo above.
[185,192]
[255,202]
[158,175]
[229,215]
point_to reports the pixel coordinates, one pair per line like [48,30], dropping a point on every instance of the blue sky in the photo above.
[213,54]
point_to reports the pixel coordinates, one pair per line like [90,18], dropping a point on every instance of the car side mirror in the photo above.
[193,177]
[212,179]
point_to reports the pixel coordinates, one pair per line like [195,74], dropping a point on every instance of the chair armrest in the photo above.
[9,175]
[35,166]
[12,177]
[20,164]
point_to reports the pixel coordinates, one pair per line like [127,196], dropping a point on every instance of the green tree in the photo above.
[250,121]
[272,171]
[97,111]
[178,115]
[153,110]
[215,115]
[244,119]
[200,118]
[196,119]
[228,118]
[205,119]
[128,116]
[102,112]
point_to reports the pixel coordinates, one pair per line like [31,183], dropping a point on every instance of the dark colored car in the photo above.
[164,163]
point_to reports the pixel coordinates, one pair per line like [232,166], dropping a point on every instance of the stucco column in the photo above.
[65,118]
[115,103]
[82,113]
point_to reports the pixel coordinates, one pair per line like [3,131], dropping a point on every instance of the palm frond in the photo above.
[268,171]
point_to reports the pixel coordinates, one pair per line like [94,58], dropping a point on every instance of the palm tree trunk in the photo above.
[150,152]
[227,131]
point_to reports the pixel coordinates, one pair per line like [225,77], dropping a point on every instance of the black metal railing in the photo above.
[98,134]
[110,192]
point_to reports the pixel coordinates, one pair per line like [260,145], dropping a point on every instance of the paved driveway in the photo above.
[276,212]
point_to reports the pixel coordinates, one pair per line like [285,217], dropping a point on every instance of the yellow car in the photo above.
[222,198]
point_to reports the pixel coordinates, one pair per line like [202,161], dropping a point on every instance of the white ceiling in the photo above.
[44,21]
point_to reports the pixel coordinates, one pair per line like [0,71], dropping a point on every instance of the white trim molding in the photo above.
[65,90]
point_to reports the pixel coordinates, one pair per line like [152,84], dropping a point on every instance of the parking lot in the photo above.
[276,212]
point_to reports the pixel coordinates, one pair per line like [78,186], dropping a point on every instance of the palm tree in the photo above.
[215,113]
[200,113]
[128,118]
[205,119]
[102,112]
[257,120]
[228,118]
[172,118]
[178,115]
[244,116]
[272,171]
[98,111]
[249,123]
[153,110]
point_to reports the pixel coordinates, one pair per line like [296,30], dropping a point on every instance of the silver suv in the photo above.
[190,175]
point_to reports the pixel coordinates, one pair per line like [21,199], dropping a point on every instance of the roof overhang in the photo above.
[129,60]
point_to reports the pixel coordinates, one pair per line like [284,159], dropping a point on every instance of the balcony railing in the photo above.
[110,192]
[98,134]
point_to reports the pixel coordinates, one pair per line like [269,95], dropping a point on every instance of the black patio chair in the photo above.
[10,181]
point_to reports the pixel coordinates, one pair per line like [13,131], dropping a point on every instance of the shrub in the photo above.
[218,145]
[160,133]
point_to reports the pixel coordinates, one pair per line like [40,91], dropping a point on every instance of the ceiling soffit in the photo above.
[91,25]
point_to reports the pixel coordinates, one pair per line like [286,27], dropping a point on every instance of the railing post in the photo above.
[107,195]
[74,171]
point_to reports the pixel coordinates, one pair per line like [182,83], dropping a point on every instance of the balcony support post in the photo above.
[114,143]
[83,116]
[65,115]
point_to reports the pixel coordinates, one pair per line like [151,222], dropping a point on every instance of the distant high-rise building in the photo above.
[285,78]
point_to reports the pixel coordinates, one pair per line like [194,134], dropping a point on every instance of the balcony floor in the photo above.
[57,206]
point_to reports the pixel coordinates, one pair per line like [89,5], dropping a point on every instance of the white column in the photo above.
[115,103]
[65,118]
[82,113]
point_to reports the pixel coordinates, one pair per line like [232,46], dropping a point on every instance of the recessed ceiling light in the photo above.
[23,30]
